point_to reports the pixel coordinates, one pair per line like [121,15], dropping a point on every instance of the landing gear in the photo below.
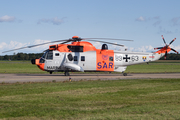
[51,72]
[66,73]
[124,74]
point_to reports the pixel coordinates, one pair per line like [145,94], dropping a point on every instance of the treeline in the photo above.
[29,56]
[21,56]
[172,56]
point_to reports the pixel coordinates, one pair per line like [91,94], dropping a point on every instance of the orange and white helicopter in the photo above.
[83,56]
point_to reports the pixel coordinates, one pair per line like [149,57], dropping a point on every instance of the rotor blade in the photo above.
[107,42]
[174,50]
[172,41]
[165,56]
[158,48]
[35,45]
[106,39]
[67,41]
[163,39]
[14,49]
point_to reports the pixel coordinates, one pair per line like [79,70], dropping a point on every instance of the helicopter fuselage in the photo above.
[83,56]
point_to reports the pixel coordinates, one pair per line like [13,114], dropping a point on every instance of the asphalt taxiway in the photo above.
[14,78]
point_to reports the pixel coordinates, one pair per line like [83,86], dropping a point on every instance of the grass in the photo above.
[161,66]
[18,67]
[117,99]
[88,100]
[156,67]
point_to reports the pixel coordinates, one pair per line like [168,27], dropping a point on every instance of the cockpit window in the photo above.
[49,55]
[44,55]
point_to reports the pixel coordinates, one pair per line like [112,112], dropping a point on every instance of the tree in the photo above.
[6,57]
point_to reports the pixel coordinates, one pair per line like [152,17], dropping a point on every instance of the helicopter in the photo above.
[82,56]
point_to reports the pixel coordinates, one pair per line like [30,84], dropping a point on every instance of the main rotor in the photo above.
[73,39]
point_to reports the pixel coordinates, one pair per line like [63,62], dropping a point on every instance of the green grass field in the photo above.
[153,67]
[161,66]
[18,67]
[92,100]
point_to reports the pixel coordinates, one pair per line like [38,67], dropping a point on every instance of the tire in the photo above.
[66,73]
[124,74]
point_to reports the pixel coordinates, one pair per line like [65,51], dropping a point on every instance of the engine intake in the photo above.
[104,47]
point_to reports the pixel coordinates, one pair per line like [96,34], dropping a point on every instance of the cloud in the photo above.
[2,45]
[41,48]
[55,21]
[163,30]
[177,48]
[14,45]
[147,48]
[140,19]
[175,21]
[7,18]
[157,23]
[97,45]
[156,20]
[142,49]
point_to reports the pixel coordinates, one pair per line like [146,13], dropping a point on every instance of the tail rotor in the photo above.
[166,48]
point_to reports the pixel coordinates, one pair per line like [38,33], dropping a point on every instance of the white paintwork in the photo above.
[122,59]
[73,67]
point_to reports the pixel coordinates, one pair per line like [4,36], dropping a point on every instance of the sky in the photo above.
[29,22]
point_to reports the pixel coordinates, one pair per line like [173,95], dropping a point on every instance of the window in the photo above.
[82,58]
[70,57]
[50,55]
[75,48]
[56,54]
[45,54]
[110,58]
[75,58]
[42,60]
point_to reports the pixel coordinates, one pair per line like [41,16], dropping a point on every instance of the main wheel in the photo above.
[66,73]
[125,74]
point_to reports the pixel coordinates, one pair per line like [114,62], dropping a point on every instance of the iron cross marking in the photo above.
[126,58]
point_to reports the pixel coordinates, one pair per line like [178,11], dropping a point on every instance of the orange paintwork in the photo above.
[86,45]
[103,60]
[163,50]
[63,48]
[37,61]
[40,65]
[75,37]
[53,47]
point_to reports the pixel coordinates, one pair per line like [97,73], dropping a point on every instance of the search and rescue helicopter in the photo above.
[83,56]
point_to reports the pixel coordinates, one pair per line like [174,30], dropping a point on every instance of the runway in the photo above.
[21,78]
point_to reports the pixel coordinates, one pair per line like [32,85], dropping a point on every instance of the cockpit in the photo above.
[48,55]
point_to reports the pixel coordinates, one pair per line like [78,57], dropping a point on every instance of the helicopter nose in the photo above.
[33,61]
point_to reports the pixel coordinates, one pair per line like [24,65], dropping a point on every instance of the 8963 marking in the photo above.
[118,57]
[135,58]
